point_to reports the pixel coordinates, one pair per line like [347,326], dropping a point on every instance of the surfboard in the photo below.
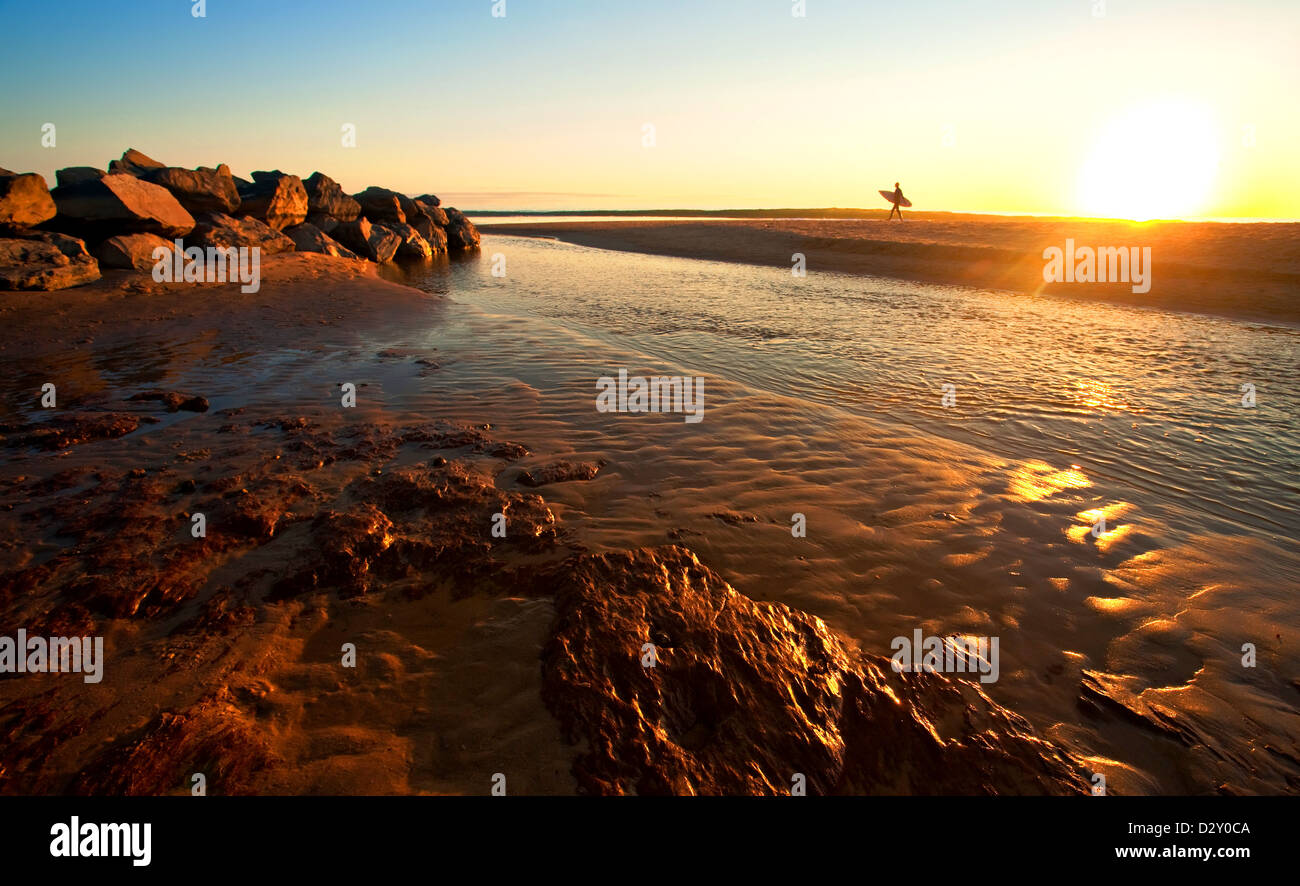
[889,195]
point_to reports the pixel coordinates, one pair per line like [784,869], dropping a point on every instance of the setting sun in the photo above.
[1154,161]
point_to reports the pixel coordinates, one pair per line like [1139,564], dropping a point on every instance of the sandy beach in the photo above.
[1242,270]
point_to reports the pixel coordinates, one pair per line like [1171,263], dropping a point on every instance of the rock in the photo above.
[76,429]
[326,197]
[174,400]
[276,198]
[461,233]
[384,206]
[438,242]
[560,472]
[219,229]
[119,204]
[44,260]
[198,190]
[425,225]
[413,246]
[309,238]
[25,200]
[430,199]
[134,163]
[743,694]
[434,212]
[131,251]
[73,174]
[374,242]
[326,223]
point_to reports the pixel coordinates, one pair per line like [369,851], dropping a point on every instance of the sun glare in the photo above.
[1154,161]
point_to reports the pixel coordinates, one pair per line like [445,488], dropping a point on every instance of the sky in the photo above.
[1125,108]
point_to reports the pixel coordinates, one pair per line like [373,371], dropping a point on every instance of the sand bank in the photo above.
[1247,271]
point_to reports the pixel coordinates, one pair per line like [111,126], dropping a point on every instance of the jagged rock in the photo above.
[745,694]
[134,163]
[131,251]
[309,238]
[434,211]
[118,204]
[219,229]
[44,260]
[413,245]
[326,197]
[384,206]
[25,200]
[72,174]
[461,233]
[198,190]
[430,199]
[276,198]
[374,242]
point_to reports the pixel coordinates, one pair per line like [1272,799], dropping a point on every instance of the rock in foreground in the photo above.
[744,695]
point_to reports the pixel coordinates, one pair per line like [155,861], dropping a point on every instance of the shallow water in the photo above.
[823,396]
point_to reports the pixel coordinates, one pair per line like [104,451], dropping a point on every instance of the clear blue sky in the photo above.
[546,107]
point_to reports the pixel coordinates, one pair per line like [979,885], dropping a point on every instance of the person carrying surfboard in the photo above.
[898,200]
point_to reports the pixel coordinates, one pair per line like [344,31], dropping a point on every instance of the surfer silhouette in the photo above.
[898,199]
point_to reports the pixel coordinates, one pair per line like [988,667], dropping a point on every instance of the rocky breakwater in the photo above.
[116,218]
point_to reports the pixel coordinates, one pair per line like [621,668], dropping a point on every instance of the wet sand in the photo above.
[476,654]
[1248,271]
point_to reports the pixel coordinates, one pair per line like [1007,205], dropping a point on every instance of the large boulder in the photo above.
[309,238]
[70,175]
[384,206]
[433,210]
[276,198]
[461,233]
[118,204]
[131,251]
[430,199]
[25,200]
[413,246]
[221,230]
[45,260]
[198,190]
[325,197]
[374,242]
[134,163]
